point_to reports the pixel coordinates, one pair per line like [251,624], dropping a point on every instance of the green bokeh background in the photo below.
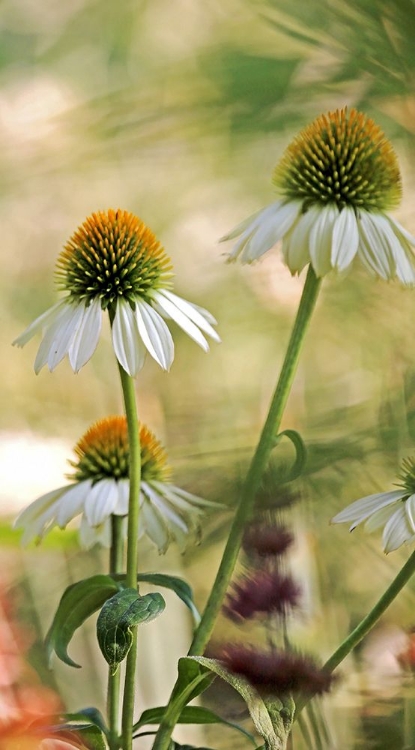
[178,111]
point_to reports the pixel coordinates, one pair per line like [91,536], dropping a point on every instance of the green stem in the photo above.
[252,482]
[130,404]
[367,623]
[258,464]
[371,619]
[114,680]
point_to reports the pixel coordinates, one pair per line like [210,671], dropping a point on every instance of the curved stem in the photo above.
[371,619]
[252,482]
[258,464]
[114,680]
[127,383]
[364,627]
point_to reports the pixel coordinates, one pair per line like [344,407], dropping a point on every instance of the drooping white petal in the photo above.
[155,526]
[72,502]
[166,510]
[181,319]
[89,536]
[52,332]
[86,337]
[38,507]
[244,225]
[101,501]
[296,245]
[361,509]
[410,512]
[200,317]
[373,250]
[321,239]
[155,334]
[396,531]
[184,500]
[121,508]
[392,245]
[345,239]
[128,346]
[64,334]
[39,324]
[275,222]
[402,252]
[378,518]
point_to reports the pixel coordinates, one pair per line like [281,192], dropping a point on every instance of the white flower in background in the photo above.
[394,511]
[100,489]
[336,179]
[115,263]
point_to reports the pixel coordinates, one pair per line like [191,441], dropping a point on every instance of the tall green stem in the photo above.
[371,619]
[253,481]
[116,564]
[130,404]
[258,464]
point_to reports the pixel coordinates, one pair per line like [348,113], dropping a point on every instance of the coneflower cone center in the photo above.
[407,475]
[341,158]
[103,453]
[113,255]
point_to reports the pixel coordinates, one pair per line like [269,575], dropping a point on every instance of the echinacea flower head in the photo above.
[277,672]
[394,511]
[266,540]
[260,593]
[100,489]
[114,262]
[337,179]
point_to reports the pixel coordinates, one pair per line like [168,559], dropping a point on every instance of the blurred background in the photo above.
[178,112]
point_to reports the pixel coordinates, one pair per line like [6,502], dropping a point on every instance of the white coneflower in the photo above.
[100,488]
[394,511]
[337,180]
[115,263]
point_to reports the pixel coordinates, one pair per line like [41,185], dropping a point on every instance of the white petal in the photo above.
[244,225]
[39,324]
[121,508]
[274,223]
[72,502]
[50,339]
[173,493]
[89,536]
[402,252]
[296,245]
[373,250]
[101,501]
[166,511]
[321,238]
[396,531]
[86,338]
[345,239]
[361,509]
[379,518]
[127,343]
[410,512]
[64,334]
[200,317]
[155,526]
[155,334]
[38,507]
[181,319]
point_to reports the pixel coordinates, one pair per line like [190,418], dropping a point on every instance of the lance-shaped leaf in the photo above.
[78,602]
[189,715]
[274,731]
[119,616]
[178,585]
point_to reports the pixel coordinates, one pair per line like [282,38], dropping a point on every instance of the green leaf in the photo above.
[89,715]
[93,738]
[256,706]
[78,602]
[300,453]
[178,585]
[118,617]
[191,682]
[189,715]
